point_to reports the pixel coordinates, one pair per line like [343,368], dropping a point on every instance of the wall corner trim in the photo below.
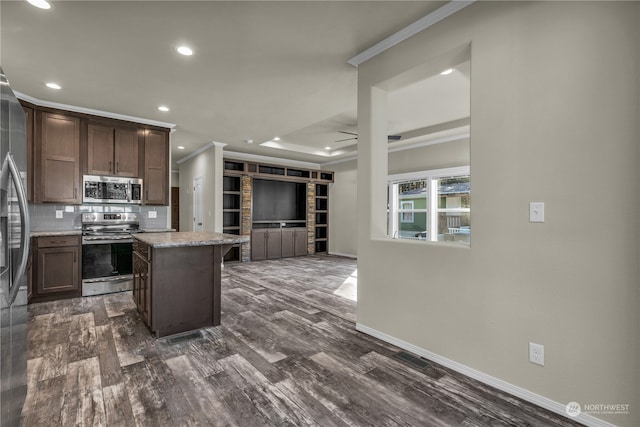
[522,393]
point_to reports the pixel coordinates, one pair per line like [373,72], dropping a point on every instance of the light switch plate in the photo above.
[59,213]
[153,214]
[536,212]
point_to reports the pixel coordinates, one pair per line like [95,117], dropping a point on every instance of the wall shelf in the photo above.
[231,207]
[321,232]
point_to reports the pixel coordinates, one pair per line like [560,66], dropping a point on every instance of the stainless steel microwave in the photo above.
[111,189]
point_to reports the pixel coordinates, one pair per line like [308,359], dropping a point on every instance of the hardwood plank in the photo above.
[33,372]
[130,337]
[110,372]
[267,399]
[117,405]
[206,405]
[118,304]
[155,397]
[83,398]
[47,404]
[46,332]
[55,363]
[82,337]
[392,404]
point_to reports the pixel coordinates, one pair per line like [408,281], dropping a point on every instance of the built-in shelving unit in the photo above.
[242,216]
[231,205]
[322,218]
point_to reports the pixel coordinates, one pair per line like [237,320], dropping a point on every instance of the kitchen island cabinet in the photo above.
[176,279]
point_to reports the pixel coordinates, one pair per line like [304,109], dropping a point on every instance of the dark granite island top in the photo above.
[176,279]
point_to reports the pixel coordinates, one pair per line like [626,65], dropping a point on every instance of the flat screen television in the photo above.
[279,200]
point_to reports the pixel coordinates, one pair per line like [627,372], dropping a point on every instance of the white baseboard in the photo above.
[527,395]
[344,255]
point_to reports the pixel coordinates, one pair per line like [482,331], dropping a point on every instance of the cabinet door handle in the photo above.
[75,193]
[109,165]
[117,167]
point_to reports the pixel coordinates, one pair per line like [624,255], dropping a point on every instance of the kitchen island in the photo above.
[176,279]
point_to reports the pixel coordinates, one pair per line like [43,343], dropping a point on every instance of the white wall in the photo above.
[209,166]
[343,217]
[554,118]
[343,230]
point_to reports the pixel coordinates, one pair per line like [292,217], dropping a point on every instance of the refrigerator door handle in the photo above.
[24,225]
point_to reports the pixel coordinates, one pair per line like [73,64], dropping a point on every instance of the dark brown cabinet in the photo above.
[56,267]
[274,243]
[177,288]
[29,125]
[142,281]
[156,177]
[62,145]
[58,158]
[294,242]
[112,151]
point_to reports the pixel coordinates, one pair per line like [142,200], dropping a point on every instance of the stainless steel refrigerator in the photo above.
[14,251]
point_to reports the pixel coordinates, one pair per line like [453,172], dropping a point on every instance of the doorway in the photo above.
[197,204]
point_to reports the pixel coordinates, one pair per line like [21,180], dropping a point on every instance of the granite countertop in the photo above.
[55,233]
[188,238]
[157,230]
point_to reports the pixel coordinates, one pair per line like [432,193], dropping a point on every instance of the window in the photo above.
[431,205]
[406,211]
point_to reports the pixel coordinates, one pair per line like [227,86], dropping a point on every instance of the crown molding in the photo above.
[91,111]
[200,150]
[410,30]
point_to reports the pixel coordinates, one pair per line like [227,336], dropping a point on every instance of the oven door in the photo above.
[107,266]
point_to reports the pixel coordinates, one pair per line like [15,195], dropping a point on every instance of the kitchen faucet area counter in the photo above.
[176,279]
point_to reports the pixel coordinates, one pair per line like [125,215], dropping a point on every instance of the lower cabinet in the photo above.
[55,268]
[142,281]
[294,242]
[274,243]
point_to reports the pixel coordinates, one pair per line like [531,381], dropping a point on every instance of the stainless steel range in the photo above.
[107,252]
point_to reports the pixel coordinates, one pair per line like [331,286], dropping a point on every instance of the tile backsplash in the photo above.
[43,216]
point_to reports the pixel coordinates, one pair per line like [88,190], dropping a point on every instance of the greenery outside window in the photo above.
[431,205]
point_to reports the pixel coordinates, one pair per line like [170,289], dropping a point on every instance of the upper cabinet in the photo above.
[64,145]
[29,113]
[112,151]
[156,171]
[57,148]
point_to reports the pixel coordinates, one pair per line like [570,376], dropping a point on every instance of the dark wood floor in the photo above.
[286,353]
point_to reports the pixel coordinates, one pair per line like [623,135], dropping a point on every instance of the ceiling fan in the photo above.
[355,137]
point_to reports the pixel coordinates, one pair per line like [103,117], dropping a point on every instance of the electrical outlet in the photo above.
[153,214]
[59,213]
[536,354]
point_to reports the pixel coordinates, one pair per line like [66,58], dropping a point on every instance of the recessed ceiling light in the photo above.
[447,72]
[163,108]
[327,148]
[42,4]
[184,50]
[180,147]
[52,85]
[277,138]
[249,141]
